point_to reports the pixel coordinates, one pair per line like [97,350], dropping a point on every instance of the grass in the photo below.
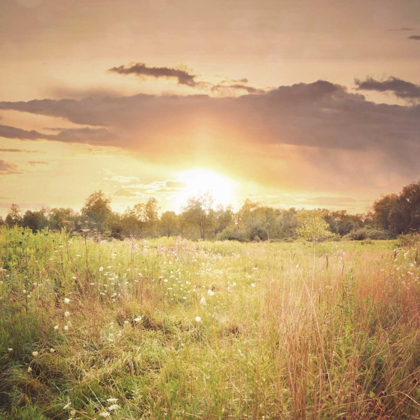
[172,329]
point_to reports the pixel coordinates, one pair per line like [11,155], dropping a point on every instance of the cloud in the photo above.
[141,69]
[69,135]
[404,29]
[37,162]
[8,168]
[231,88]
[398,87]
[17,151]
[414,37]
[294,130]
[124,193]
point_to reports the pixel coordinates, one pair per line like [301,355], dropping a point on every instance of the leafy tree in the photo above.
[382,209]
[97,210]
[14,217]
[199,213]
[61,218]
[35,220]
[169,223]
[313,227]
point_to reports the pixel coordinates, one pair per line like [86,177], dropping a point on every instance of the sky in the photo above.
[303,103]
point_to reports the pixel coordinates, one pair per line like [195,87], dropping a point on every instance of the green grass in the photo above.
[280,335]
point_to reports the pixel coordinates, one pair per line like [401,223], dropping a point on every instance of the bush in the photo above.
[364,233]
[232,234]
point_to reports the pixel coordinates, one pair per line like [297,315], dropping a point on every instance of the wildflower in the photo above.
[210,292]
[104,414]
[101,269]
[67,313]
[138,319]
[252,284]
[52,351]
[197,319]
[112,399]
[56,327]
[203,301]
[9,349]
[66,328]
[73,412]
[29,369]
[113,407]
[35,353]
[66,300]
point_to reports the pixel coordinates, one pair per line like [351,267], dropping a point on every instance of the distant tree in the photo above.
[223,218]
[35,220]
[61,218]
[151,216]
[169,223]
[382,209]
[312,226]
[199,213]
[97,210]
[14,217]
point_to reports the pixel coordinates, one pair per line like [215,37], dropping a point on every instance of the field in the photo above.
[174,329]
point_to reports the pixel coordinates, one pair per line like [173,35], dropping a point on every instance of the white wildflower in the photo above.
[210,292]
[203,301]
[35,353]
[197,319]
[67,313]
[66,300]
[113,407]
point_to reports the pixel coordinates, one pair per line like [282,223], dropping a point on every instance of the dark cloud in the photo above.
[336,127]
[141,69]
[8,168]
[404,29]
[73,135]
[18,151]
[229,89]
[398,87]
[414,37]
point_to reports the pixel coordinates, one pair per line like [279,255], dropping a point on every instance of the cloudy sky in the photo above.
[289,102]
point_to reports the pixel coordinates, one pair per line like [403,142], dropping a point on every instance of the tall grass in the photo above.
[173,329]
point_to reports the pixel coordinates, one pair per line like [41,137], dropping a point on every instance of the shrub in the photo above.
[232,234]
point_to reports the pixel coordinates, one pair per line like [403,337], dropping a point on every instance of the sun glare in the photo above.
[202,181]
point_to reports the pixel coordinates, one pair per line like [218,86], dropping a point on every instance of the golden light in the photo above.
[201,181]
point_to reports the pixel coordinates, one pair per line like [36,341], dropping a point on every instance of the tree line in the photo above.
[392,215]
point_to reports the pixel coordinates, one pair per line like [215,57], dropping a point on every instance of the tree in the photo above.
[168,223]
[61,218]
[35,220]
[382,209]
[312,226]
[199,213]
[14,217]
[97,210]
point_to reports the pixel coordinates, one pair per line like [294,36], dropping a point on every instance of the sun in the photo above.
[201,181]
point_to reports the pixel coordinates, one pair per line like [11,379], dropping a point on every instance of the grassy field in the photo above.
[172,329]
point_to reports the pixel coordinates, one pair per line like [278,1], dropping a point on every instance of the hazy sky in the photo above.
[293,103]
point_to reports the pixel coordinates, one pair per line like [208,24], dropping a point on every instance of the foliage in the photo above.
[313,227]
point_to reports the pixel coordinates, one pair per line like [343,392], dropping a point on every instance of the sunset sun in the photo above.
[201,181]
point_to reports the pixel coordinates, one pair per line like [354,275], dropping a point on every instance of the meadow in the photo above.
[174,329]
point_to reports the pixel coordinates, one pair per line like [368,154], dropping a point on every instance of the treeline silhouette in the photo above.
[392,215]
